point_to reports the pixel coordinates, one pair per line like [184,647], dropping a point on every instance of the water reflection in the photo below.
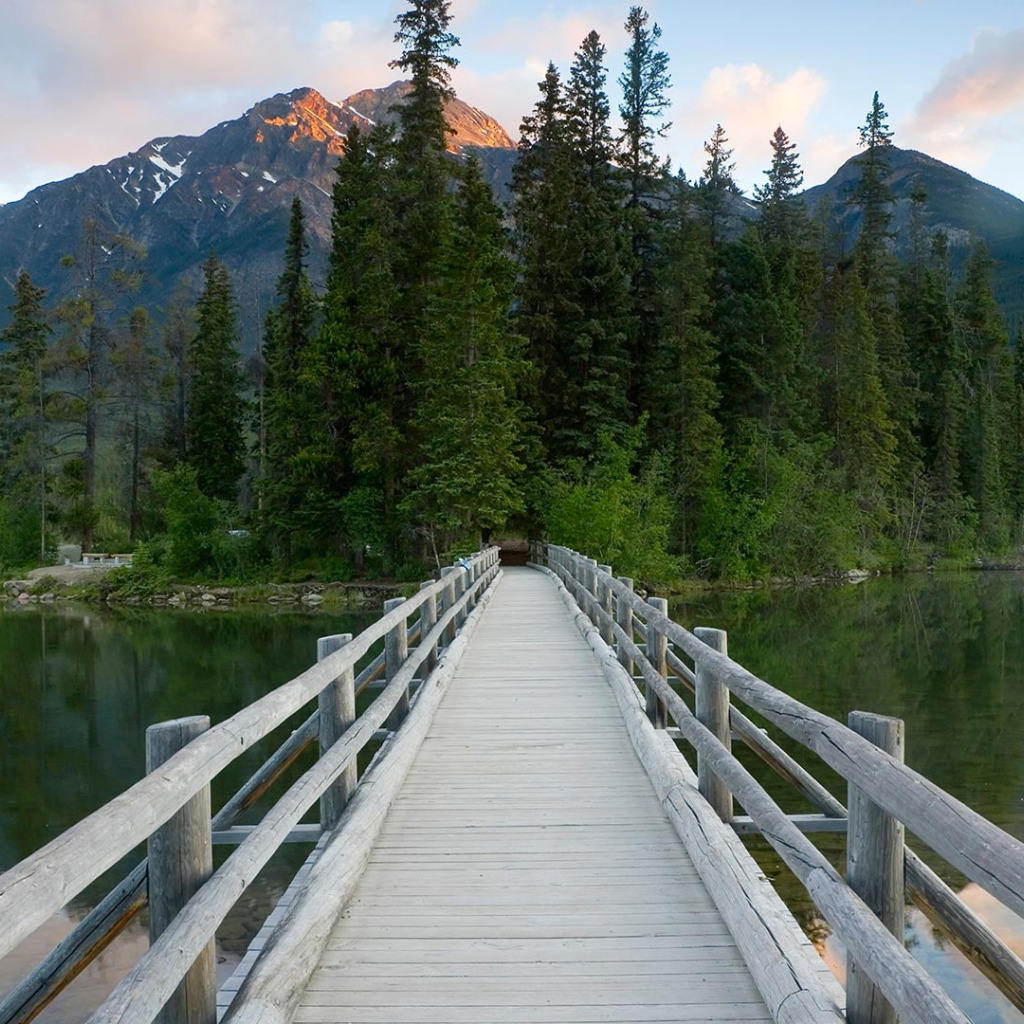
[946,654]
[77,690]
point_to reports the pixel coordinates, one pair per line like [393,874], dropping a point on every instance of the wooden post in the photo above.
[874,867]
[337,703]
[448,572]
[428,619]
[657,655]
[180,856]
[604,598]
[624,617]
[396,650]
[711,703]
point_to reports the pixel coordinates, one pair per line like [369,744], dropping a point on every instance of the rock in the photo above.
[177,600]
[857,575]
[208,598]
[312,599]
[47,598]
[23,598]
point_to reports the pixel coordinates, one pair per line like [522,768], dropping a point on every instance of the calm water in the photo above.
[946,654]
[77,690]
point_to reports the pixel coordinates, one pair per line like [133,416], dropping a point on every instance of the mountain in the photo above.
[229,189]
[957,203]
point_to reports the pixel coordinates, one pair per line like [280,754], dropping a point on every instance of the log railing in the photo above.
[866,909]
[174,979]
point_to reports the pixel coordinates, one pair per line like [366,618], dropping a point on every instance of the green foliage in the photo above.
[19,534]
[615,511]
[215,448]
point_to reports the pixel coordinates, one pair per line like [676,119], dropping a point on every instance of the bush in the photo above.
[612,511]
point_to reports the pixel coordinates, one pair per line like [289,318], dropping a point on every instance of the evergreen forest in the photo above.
[646,366]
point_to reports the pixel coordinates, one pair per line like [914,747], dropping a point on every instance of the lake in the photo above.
[79,686]
[945,653]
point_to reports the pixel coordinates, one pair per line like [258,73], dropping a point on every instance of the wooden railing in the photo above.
[169,808]
[866,910]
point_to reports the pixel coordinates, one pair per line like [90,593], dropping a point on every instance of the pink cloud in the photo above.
[985,81]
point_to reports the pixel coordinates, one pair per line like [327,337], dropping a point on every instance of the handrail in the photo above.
[42,883]
[880,777]
[150,983]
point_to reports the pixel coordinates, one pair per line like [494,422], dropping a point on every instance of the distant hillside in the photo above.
[957,203]
[229,189]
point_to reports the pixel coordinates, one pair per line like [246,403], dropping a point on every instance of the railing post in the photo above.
[657,655]
[590,570]
[711,703]
[874,867]
[428,619]
[396,650]
[604,599]
[180,856]
[461,585]
[448,574]
[337,703]
[624,617]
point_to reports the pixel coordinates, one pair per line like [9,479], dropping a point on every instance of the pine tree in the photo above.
[601,263]
[135,372]
[215,448]
[644,85]
[547,311]
[287,405]
[468,421]
[985,459]
[423,174]
[717,183]
[178,328]
[23,397]
[783,215]
[106,268]
[683,392]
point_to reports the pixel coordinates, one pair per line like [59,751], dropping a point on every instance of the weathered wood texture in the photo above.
[874,868]
[42,883]
[907,985]
[527,871]
[336,707]
[291,952]
[139,996]
[972,844]
[793,980]
[180,857]
[712,708]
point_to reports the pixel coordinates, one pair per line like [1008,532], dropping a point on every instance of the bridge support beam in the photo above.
[180,860]
[874,867]
[428,619]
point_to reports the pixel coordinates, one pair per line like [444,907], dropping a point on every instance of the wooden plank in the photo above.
[534,856]
[38,886]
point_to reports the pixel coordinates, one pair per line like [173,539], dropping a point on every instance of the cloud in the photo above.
[750,104]
[85,82]
[985,81]
[975,105]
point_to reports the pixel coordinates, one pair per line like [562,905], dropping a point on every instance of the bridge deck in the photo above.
[526,871]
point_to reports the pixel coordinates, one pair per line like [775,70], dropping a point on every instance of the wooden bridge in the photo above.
[527,842]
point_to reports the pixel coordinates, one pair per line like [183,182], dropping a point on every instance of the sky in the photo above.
[84,81]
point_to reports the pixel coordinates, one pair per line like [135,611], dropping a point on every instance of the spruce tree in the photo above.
[598,348]
[547,311]
[467,480]
[105,267]
[717,183]
[215,448]
[644,83]
[783,216]
[422,172]
[683,396]
[23,397]
[288,407]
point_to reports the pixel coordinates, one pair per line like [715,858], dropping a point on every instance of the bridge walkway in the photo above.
[527,872]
